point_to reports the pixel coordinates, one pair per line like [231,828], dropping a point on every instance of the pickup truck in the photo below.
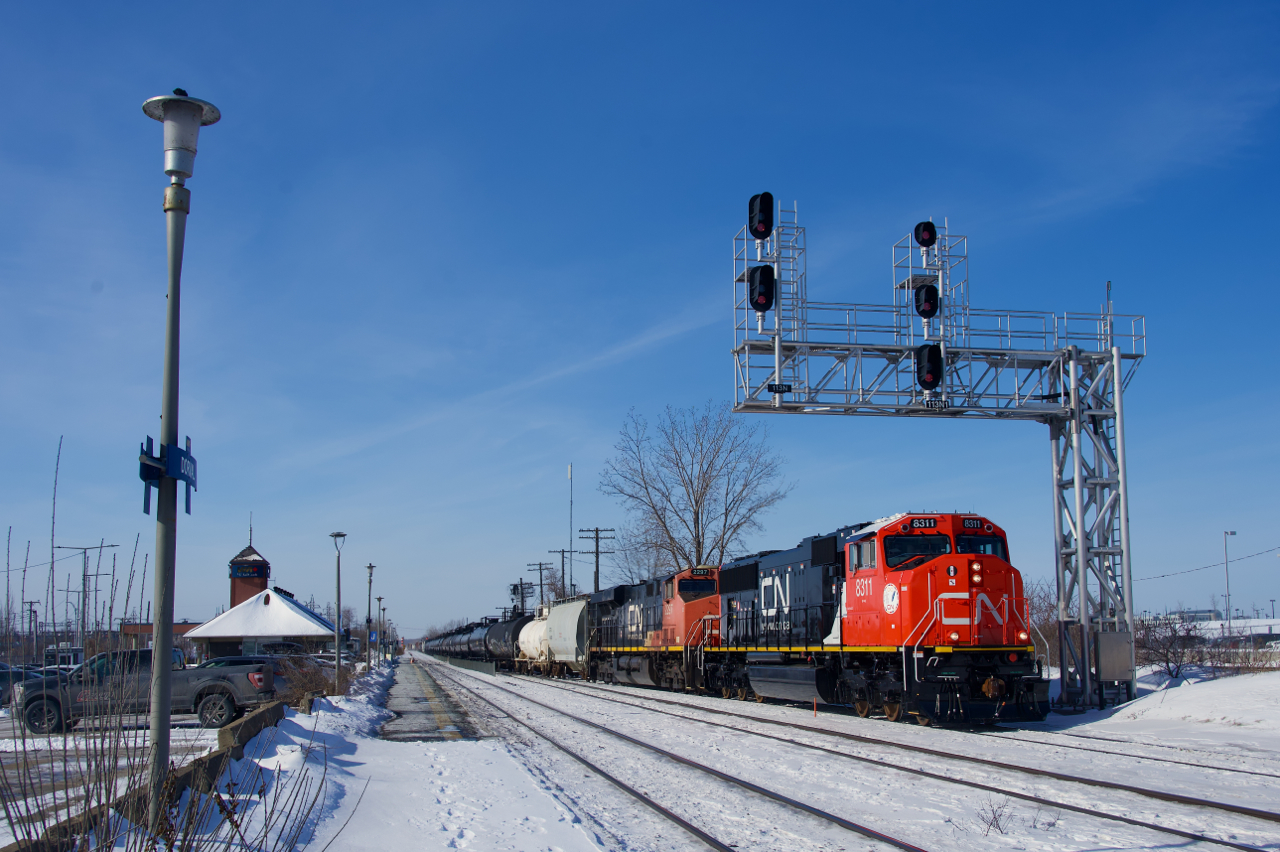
[116,683]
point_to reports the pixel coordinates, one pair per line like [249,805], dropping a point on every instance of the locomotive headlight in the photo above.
[1022,636]
[955,637]
[977,578]
[975,566]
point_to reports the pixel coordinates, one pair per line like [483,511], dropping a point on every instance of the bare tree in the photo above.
[694,485]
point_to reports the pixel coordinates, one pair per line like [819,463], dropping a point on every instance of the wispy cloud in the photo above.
[495,398]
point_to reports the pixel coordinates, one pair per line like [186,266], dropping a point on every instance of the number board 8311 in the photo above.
[924,523]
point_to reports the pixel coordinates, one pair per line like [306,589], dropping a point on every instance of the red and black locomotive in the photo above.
[917,615]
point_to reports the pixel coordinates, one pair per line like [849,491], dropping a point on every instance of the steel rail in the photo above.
[1267,815]
[723,776]
[1047,773]
[1075,747]
[621,785]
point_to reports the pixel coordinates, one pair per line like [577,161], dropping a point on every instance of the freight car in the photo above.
[916,615]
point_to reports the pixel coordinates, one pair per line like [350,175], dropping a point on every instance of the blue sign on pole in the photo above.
[173,462]
[373,636]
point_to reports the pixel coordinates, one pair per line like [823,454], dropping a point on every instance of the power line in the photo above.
[1206,567]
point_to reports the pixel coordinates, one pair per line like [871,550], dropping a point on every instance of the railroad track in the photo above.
[1242,810]
[1129,755]
[598,693]
[702,835]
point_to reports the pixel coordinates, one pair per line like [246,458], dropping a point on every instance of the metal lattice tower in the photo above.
[1066,370]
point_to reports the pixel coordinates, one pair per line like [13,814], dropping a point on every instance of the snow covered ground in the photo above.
[1217,740]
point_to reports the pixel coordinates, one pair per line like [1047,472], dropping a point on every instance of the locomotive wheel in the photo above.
[893,712]
[862,708]
[759,699]
[725,692]
[742,693]
[923,721]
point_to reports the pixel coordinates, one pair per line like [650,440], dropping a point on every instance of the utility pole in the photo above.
[84,583]
[571,552]
[183,117]
[597,538]
[541,566]
[380,611]
[368,621]
[33,609]
[338,539]
[382,629]
[568,592]
[1226,564]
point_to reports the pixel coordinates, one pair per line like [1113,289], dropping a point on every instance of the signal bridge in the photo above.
[929,353]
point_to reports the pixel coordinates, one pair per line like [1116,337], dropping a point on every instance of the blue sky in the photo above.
[437,252]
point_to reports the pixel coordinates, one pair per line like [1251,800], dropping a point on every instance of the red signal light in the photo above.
[760,288]
[926,234]
[927,301]
[760,215]
[929,366]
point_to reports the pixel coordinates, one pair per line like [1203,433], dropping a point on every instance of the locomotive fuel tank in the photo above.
[635,669]
[793,683]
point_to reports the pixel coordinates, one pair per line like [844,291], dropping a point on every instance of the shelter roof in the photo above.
[265,614]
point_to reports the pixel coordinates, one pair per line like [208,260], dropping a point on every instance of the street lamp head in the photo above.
[1229,532]
[371,567]
[338,539]
[183,117]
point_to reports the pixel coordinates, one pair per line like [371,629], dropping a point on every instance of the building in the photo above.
[250,574]
[269,622]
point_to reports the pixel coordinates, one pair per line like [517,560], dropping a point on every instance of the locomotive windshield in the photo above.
[991,545]
[902,552]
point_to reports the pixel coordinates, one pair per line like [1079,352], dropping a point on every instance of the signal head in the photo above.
[927,301]
[760,288]
[760,216]
[926,234]
[929,366]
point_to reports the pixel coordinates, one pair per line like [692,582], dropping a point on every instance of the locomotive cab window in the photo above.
[990,545]
[667,589]
[902,552]
[864,554]
[691,590]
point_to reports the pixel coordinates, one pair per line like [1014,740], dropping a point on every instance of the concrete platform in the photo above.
[424,711]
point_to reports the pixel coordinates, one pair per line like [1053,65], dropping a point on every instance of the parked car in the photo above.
[8,677]
[119,682]
[288,669]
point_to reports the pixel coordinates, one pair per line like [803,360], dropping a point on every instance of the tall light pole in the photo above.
[183,117]
[368,622]
[1226,563]
[380,611]
[338,539]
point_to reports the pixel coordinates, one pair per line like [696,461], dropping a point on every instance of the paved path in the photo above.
[423,710]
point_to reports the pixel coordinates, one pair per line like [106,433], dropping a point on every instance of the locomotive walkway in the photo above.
[424,711]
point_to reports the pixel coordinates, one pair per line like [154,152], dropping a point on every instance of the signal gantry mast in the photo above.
[928,353]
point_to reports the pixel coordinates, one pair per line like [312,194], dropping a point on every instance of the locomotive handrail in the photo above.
[934,614]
